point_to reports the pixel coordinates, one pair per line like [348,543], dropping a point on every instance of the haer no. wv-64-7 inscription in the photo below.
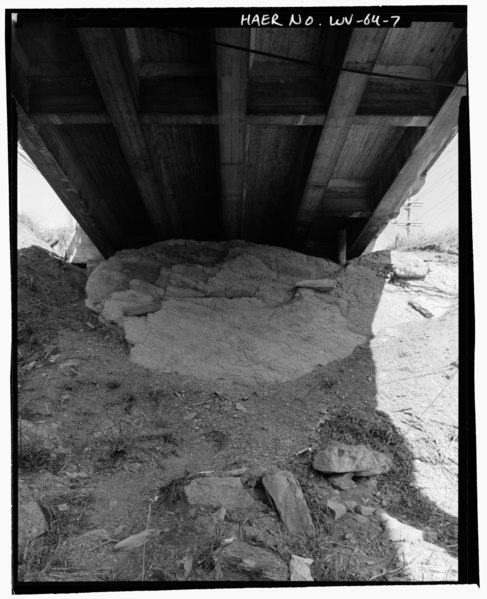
[301,20]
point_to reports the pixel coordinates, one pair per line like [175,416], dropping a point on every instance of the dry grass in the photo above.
[172,492]
[32,457]
[442,241]
[397,487]
[45,554]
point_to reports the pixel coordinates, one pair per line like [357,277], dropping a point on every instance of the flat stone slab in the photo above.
[431,307]
[290,502]
[216,491]
[337,458]
[252,562]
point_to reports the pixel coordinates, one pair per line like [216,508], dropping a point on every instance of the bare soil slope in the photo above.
[106,446]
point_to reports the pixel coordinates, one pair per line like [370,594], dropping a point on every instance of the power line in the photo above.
[437,217]
[443,180]
[313,64]
[443,200]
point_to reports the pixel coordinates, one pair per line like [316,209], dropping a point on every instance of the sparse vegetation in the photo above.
[441,241]
[124,432]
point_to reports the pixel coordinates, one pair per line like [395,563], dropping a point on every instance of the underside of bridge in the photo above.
[149,134]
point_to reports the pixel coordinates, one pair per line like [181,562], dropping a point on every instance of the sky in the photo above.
[435,207]
[37,199]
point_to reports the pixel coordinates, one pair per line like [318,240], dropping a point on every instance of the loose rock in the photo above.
[300,568]
[137,540]
[337,457]
[365,510]
[252,562]
[337,509]
[216,492]
[343,481]
[289,501]
[360,518]
[350,505]
[369,483]
[31,520]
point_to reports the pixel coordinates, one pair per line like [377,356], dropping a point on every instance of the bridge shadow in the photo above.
[360,414]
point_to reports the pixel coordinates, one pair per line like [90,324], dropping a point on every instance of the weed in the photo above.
[328,382]
[172,492]
[45,553]
[169,439]
[112,385]
[32,457]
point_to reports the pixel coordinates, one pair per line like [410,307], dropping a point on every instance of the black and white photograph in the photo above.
[242,298]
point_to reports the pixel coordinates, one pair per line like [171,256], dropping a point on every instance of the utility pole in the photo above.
[408,217]
[409,223]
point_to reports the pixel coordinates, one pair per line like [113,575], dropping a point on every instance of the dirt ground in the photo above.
[105,447]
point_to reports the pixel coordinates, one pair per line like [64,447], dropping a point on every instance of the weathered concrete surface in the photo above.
[246,313]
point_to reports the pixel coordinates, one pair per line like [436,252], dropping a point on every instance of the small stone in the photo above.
[220,514]
[240,407]
[365,510]
[419,307]
[300,568]
[63,507]
[337,509]
[369,483]
[360,518]
[343,481]
[350,505]
[119,530]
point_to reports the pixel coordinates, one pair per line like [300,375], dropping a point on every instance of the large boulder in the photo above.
[231,311]
[251,314]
